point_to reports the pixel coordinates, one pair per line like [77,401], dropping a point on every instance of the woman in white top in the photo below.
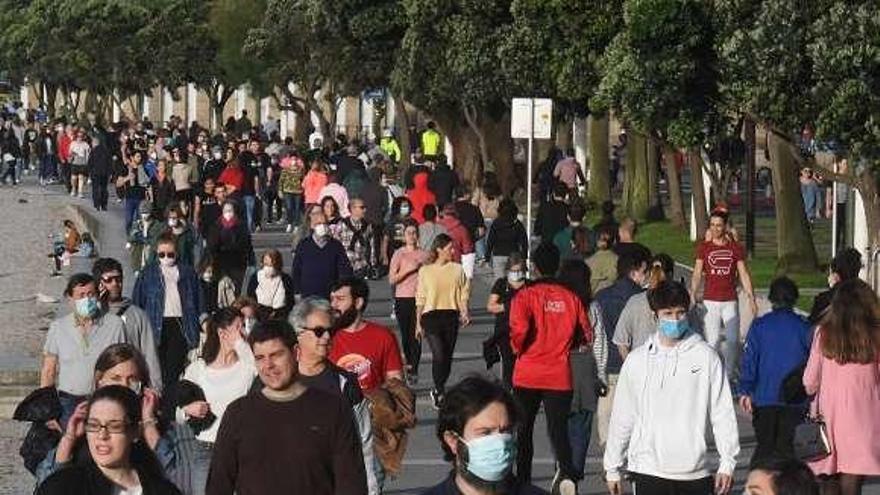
[79,164]
[271,288]
[224,372]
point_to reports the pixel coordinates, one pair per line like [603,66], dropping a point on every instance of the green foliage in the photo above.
[846,61]
[659,73]
[553,47]
[449,55]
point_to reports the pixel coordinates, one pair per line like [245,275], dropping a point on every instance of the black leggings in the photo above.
[173,349]
[441,329]
[557,405]
[405,311]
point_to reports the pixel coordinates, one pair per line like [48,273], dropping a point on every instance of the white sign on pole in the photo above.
[543,118]
[521,118]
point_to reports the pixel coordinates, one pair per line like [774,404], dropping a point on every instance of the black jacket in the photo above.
[552,217]
[38,407]
[470,216]
[448,487]
[506,236]
[820,304]
[88,480]
[99,161]
[442,183]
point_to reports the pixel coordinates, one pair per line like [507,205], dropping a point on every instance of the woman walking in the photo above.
[843,372]
[403,275]
[442,295]
[502,293]
[272,288]
[224,372]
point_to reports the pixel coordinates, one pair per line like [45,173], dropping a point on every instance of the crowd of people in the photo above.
[229,372]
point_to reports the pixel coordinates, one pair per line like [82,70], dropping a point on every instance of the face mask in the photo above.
[172,222]
[269,271]
[86,307]
[167,261]
[207,276]
[218,156]
[249,323]
[490,458]
[674,329]
[321,230]
[404,210]
[228,215]
[515,276]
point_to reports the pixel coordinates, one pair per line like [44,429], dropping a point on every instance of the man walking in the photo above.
[546,321]
[286,437]
[670,392]
[138,331]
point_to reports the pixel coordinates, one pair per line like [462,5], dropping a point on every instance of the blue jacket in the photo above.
[778,342]
[149,295]
[612,300]
[316,268]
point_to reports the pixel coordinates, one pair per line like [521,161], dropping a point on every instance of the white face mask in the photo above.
[218,155]
[269,271]
[172,222]
[321,230]
[228,215]
[167,261]
[207,276]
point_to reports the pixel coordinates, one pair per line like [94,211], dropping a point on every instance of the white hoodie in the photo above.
[666,398]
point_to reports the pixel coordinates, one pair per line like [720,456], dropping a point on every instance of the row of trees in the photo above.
[683,75]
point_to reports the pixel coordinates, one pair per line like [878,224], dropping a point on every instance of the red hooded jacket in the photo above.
[544,317]
[420,196]
[461,238]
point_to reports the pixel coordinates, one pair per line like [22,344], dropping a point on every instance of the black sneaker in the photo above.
[436,399]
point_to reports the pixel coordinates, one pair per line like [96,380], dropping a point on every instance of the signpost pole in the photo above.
[529,182]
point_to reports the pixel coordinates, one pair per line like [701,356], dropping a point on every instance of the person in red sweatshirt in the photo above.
[547,320]
[461,238]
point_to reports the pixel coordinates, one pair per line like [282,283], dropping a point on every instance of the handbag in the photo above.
[811,440]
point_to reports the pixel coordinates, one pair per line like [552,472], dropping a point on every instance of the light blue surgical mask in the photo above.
[674,329]
[491,457]
[86,307]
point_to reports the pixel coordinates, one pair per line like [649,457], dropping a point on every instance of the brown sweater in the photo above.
[308,445]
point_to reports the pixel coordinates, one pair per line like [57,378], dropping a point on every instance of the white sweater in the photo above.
[221,385]
[665,401]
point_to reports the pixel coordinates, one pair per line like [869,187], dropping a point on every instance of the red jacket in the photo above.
[64,147]
[461,238]
[544,317]
[420,196]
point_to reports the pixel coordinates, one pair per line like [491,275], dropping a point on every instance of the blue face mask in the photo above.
[86,307]
[674,329]
[490,458]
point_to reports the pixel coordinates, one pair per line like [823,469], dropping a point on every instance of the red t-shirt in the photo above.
[370,353]
[234,176]
[719,267]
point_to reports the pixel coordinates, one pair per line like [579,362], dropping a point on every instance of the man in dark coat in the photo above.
[101,167]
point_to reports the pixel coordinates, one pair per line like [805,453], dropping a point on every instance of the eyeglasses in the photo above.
[112,278]
[112,427]
[166,254]
[319,331]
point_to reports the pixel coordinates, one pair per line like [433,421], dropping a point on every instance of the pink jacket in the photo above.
[312,184]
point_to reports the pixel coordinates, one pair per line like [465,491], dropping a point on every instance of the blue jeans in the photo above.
[249,204]
[293,207]
[200,465]
[580,425]
[480,245]
[47,168]
[131,211]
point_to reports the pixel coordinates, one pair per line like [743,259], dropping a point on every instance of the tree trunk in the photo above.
[499,147]
[563,134]
[401,118]
[651,158]
[599,189]
[868,188]
[472,117]
[673,183]
[794,241]
[701,218]
[637,186]
[51,100]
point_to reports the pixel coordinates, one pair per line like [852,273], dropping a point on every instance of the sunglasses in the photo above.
[112,278]
[166,254]
[319,331]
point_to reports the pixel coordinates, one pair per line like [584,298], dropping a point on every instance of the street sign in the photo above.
[521,118]
[543,118]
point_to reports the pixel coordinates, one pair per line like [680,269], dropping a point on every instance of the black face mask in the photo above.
[345,319]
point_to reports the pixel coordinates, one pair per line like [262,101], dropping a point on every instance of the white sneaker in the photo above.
[567,487]
[289,228]
[72,194]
